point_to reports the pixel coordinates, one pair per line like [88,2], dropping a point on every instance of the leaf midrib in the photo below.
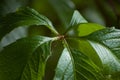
[70,53]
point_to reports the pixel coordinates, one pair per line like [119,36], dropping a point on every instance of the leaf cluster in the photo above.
[85,51]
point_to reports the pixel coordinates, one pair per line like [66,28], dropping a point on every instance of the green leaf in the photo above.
[106,43]
[23,17]
[85,47]
[75,20]
[8,7]
[64,68]
[25,57]
[35,68]
[17,33]
[88,28]
[74,65]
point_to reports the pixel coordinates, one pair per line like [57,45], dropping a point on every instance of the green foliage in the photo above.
[23,17]
[25,59]
[107,41]
[88,52]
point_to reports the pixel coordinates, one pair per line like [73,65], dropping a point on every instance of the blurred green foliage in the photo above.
[105,12]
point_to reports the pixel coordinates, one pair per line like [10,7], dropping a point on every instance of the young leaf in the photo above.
[88,28]
[18,61]
[23,17]
[74,65]
[106,43]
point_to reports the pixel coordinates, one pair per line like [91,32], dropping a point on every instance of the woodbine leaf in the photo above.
[75,20]
[75,65]
[35,68]
[15,34]
[23,17]
[85,47]
[64,68]
[25,59]
[85,29]
[106,43]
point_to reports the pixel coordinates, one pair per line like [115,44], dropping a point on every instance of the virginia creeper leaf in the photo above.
[35,68]
[106,43]
[17,33]
[8,7]
[25,57]
[88,28]
[75,20]
[23,17]
[85,47]
[84,29]
[74,65]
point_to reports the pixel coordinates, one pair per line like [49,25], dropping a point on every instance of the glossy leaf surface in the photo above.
[106,43]
[23,17]
[25,59]
[75,65]
[77,18]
